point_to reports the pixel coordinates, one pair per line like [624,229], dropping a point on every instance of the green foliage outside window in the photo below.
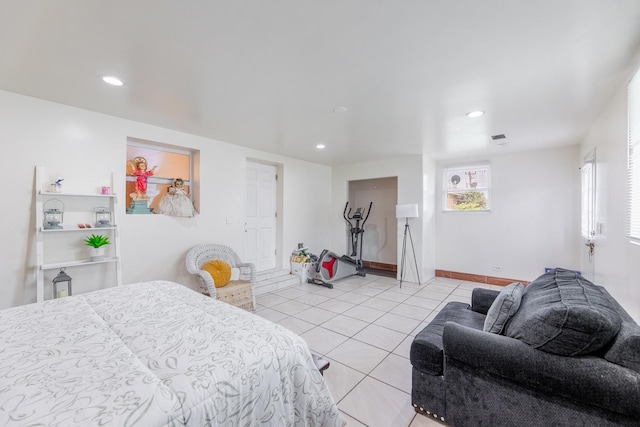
[471,200]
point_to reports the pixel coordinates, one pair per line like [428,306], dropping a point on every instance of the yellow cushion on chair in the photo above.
[219,270]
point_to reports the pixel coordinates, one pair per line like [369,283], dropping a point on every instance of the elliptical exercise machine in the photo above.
[331,267]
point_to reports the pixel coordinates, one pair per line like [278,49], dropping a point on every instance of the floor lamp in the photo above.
[409,210]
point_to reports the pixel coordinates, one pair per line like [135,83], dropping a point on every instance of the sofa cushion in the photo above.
[563,313]
[624,349]
[503,307]
[426,349]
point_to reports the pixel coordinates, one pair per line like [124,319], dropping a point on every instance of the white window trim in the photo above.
[134,142]
[588,203]
[633,159]
[445,189]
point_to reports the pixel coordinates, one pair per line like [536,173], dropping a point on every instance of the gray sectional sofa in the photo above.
[562,352]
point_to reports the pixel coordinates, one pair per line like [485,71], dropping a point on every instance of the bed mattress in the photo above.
[155,354]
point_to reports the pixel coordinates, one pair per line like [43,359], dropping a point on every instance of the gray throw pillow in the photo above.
[503,308]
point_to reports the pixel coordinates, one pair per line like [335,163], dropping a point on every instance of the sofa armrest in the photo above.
[588,379]
[481,299]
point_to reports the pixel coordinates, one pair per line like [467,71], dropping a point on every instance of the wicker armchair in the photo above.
[238,292]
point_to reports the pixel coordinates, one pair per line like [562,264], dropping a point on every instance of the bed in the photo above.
[155,354]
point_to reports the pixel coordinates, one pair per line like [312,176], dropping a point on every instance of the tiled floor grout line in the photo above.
[445,291]
[346,394]
[370,323]
[367,375]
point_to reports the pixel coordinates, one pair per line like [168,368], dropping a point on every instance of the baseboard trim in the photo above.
[379,266]
[489,280]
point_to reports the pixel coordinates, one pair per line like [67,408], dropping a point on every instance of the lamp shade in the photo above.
[408,210]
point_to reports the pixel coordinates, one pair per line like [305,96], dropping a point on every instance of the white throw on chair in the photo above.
[238,292]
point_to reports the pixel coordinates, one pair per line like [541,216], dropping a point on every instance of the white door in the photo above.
[260,223]
[588,214]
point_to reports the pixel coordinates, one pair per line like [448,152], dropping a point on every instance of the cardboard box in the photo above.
[303,270]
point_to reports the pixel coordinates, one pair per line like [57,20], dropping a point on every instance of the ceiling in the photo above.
[269,74]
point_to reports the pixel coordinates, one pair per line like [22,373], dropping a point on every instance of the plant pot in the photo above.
[97,254]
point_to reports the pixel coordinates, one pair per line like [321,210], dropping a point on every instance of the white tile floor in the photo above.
[364,327]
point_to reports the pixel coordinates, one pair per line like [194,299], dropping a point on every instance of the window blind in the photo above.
[633,167]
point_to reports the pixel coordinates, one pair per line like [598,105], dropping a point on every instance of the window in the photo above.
[588,205]
[633,165]
[466,187]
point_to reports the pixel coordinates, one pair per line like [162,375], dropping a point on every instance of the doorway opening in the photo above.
[379,242]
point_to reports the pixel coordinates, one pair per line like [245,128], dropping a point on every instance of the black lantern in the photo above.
[103,217]
[53,214]
[62,284]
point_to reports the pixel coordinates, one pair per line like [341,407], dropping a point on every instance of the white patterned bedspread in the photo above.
[154,354]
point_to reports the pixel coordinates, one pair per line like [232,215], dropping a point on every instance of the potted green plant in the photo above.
[97,242]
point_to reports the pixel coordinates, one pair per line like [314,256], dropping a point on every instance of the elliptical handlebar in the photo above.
[368,212]
[356,231]
[345,215]
[357,215]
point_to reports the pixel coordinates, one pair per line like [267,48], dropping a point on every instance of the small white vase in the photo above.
[97,254]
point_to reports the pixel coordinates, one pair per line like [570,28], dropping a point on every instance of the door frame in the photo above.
[278,206]
[588,213]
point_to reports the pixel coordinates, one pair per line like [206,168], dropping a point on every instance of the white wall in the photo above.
[409,171]
[428,216]
[533,223]
[85,147]
[306,192]
[616,260]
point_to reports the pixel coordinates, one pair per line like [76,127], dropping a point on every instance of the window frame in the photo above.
[447,170]
[587,196]
[633,159]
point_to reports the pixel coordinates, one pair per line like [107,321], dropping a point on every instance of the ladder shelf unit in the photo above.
[72,252]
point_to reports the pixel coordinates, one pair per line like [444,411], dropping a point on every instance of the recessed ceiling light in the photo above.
[320,146]
[475,113]
[112,80]
[340,110]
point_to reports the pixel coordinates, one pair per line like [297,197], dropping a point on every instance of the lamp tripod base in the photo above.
[407,232]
